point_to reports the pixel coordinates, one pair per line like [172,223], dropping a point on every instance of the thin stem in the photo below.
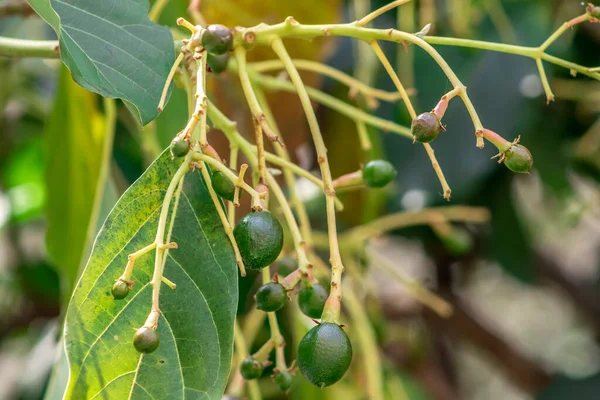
[257,113]
[157,9]
[366,338]
[544,79]
[365,20]
[569,24]
[323,69]
[223,217]
[229,174]
[334,103]
[233,157]
[403,219]
[278,341]
[363,136]
[10,47]
[131,259]
[390,70]
[414,289]
[303,221]
[163,96]
[152,319]
[201,102]
[264,351]
[331,312]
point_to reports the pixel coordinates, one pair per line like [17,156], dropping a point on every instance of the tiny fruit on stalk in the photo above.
[378,173]
[179,147]
[222,185]
[283,380]
[259,237]
[217,39]
[251,369]
[217,63]
[311,300]
[145,340]
[286,266]
[518,159]
[120,289]
[271,297]
[425,127]
[324,354]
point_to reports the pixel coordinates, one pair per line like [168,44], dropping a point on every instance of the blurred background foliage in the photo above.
[527,296]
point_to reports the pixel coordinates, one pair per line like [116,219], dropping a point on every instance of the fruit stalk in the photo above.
[411,110]
[331,312]
[276,337]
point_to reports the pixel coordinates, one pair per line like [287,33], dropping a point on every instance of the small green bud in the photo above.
[145,340]
[426,127]
[459,242]
[120,289]
[518,159]
[378,173]
[251,369]
[179,147]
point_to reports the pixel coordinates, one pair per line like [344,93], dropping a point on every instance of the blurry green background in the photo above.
[528,295]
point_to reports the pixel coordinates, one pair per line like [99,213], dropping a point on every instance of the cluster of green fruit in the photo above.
[426,127]
[218,42]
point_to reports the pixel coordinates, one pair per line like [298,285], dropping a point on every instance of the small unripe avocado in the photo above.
[251,369]
[217,63]
[459,242]
[518,159]
[222,185]
[378,173]
[120,289]
[217,39]
[145,340]
[284,380]
[324,354]
[179,147]
[286,266]
[425,127]
[259,237]
[311,300]
[271,297]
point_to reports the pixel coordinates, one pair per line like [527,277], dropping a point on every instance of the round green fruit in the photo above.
[284,380]
[324,354]
[120,289]
[179,147]
[286,266]
[378,173]
[222,185]
[271,297]
[217,39]
[426,127]
[217,63]
[145,340]
[518,159]
[251,369]
[259,237]
[311,300]
[459,242]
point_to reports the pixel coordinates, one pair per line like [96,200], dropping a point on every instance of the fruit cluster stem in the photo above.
[331,313]
[411,110]
[276,336]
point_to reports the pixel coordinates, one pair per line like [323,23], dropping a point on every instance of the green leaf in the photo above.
[73,170]
[113,49]
[196,322]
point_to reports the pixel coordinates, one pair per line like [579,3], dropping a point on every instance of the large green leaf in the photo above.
[196,323]
[112,48]
[77,136]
